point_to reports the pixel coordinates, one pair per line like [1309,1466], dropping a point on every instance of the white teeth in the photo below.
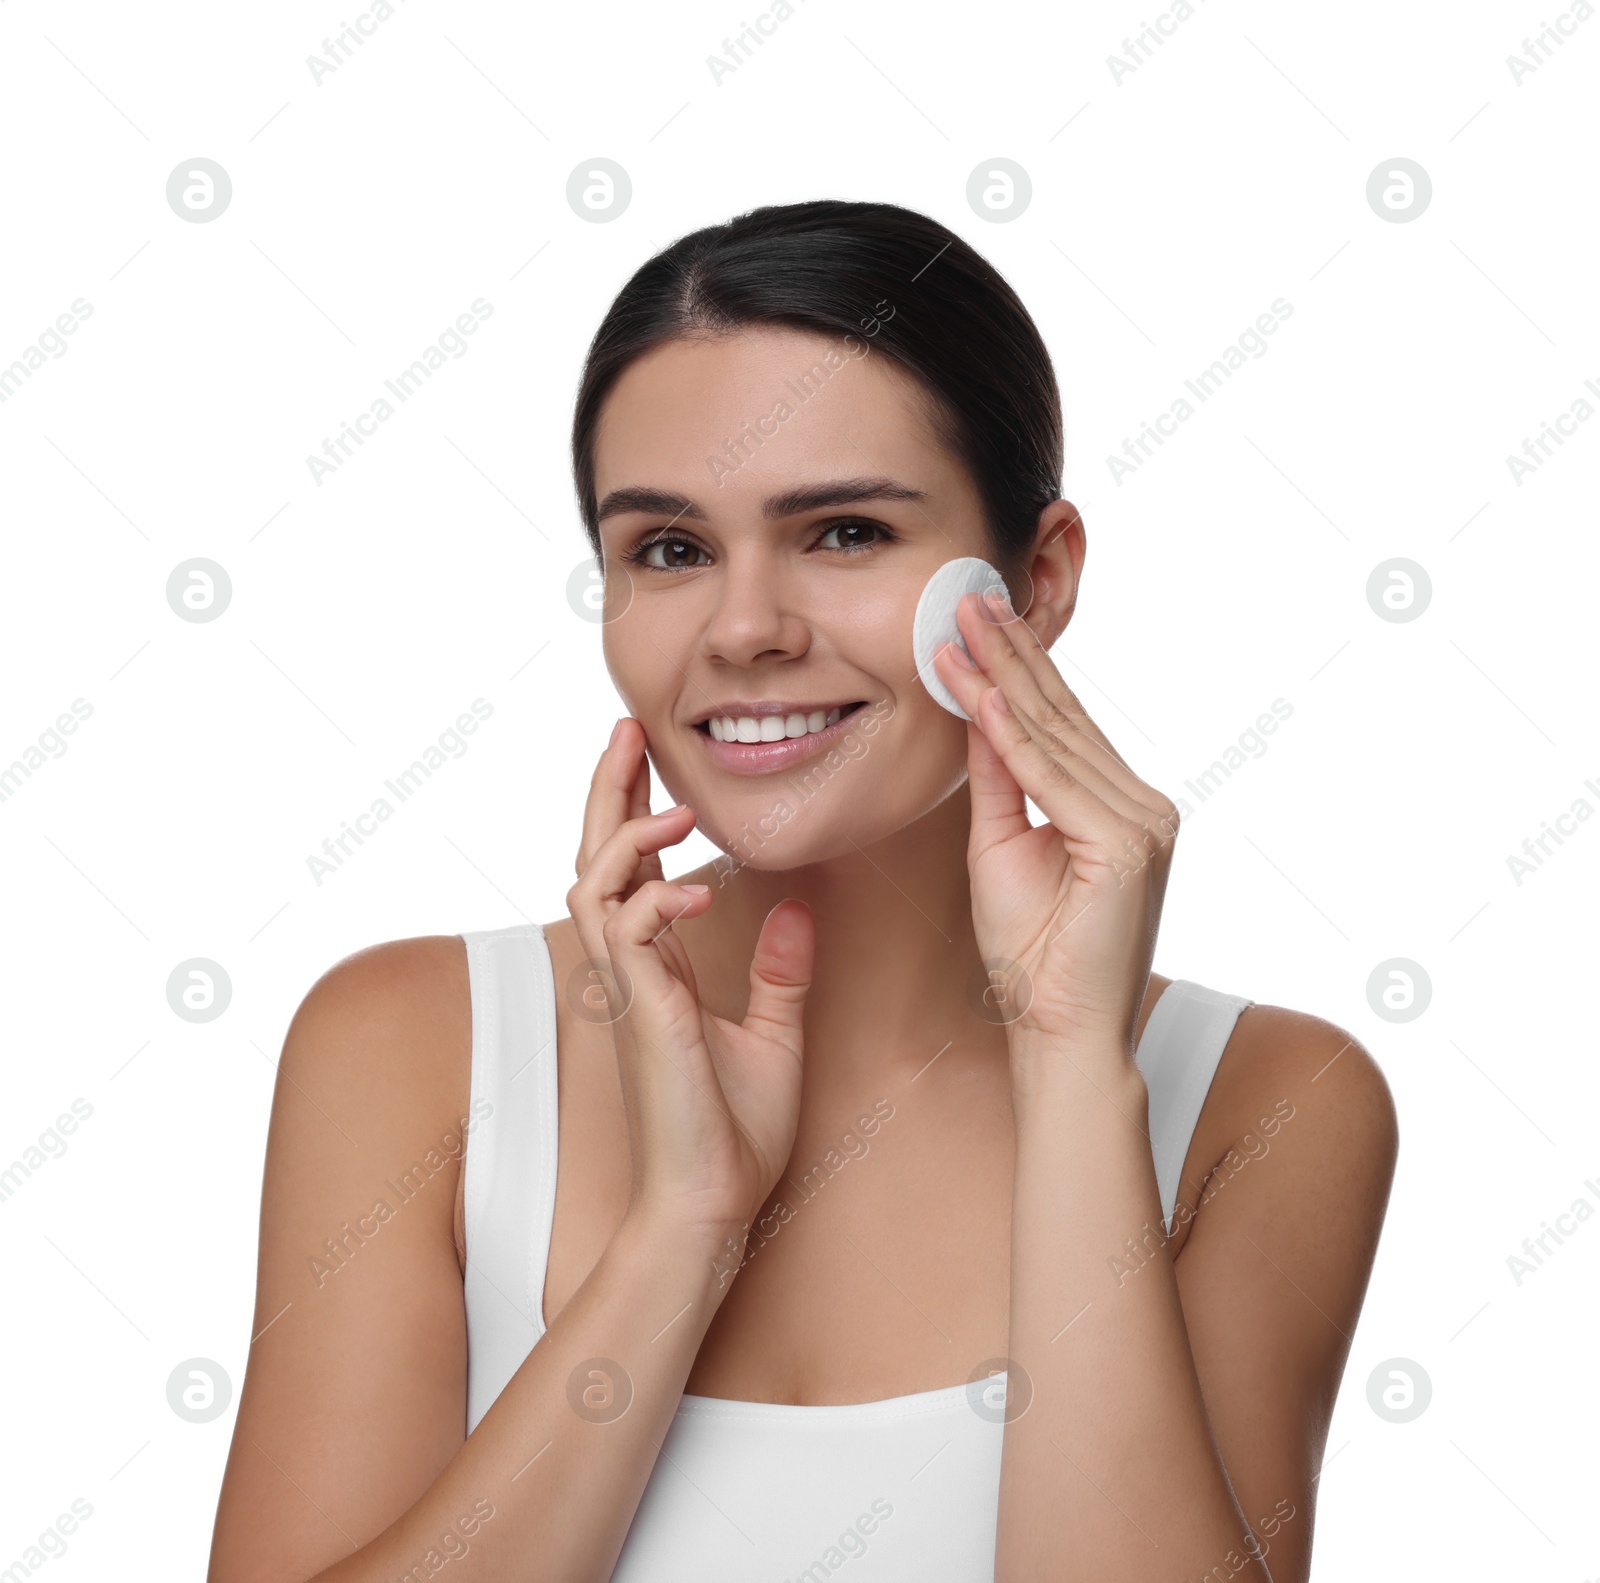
[770,728]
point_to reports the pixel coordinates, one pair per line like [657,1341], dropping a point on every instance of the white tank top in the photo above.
[755,1492]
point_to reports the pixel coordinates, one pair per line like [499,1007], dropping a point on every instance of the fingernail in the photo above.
[1000,604]
[1000,700]
[961,657]
[616,731]
[675,808]
[697,889]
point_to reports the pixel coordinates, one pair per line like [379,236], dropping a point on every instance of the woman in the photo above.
[904,1218]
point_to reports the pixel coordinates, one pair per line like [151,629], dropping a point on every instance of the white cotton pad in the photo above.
[935,621]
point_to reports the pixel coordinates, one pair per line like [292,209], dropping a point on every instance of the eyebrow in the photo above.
[809,497]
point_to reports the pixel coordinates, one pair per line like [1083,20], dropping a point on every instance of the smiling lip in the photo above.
[763,758]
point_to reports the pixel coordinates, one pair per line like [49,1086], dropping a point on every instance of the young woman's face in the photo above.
[776,582]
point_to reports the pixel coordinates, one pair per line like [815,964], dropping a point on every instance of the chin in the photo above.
[786,839]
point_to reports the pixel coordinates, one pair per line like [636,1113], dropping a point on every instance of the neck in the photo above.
[895,948]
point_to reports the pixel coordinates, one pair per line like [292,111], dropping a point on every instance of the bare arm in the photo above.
[1175,1418]
[1275,1268]
[1181,1406]
[350,1459]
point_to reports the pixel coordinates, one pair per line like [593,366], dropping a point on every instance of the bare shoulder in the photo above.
[402,1007]
[1277,1057]
[355,1388]
[1301,1084]
[378,1056]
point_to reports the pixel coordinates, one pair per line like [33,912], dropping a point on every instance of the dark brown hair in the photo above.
[835,267]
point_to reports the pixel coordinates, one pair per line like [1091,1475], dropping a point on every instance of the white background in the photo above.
[367,612]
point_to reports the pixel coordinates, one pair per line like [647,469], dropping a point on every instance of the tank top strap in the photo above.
[510,1189]
[1178,1054]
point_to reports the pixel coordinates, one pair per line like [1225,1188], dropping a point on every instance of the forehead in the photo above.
[691,411]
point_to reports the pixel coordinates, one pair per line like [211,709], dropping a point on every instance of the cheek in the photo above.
[642,667]
[906,768]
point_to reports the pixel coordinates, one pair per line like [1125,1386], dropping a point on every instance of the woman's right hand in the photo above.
[712,1104]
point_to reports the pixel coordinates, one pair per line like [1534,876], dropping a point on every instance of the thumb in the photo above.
[780,973]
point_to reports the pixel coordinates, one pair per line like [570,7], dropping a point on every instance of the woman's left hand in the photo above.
[1075,903]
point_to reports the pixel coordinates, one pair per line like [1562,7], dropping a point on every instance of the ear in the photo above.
[1054,566]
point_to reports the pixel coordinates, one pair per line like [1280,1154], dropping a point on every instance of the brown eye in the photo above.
[675,554]
[853,535]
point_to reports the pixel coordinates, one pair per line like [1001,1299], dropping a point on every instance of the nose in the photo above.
[753,619]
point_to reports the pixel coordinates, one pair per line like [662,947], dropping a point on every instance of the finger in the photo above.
[991,660]
[630,936]
[611,798]
[1009,652]
[639,808]
[1012,656]
[1091,814]
[999,808]
[612,876]
[639,791]
[972,686]
[780,974]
